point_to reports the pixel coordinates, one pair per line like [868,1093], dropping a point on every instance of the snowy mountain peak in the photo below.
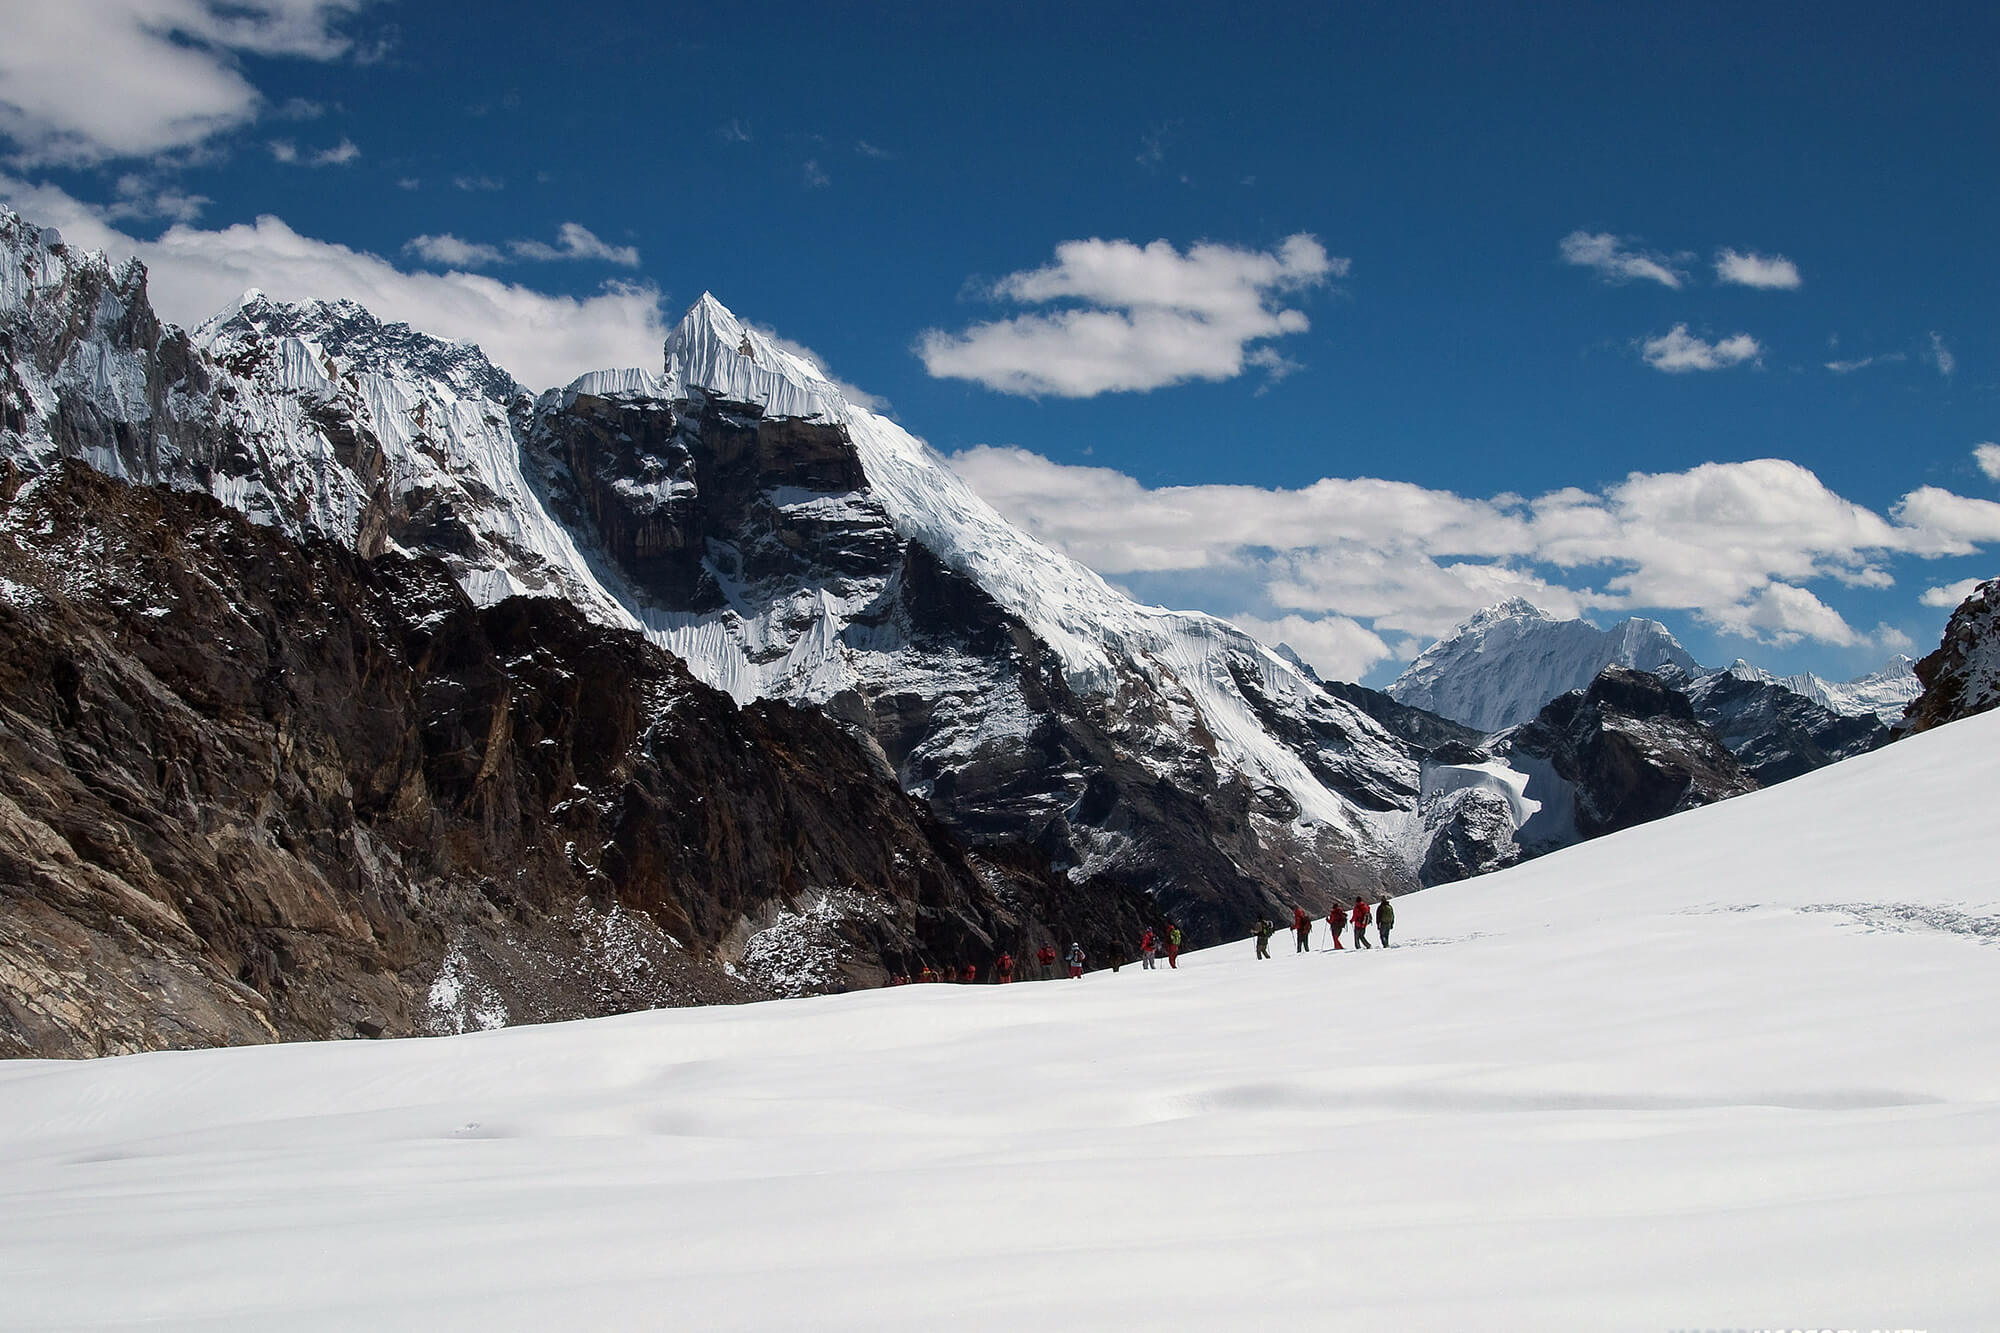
[361,343]
[1499,668]
[711,349]
[1513,608]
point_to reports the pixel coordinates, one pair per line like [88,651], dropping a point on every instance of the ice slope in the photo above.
[1498,668]
[1731,1069]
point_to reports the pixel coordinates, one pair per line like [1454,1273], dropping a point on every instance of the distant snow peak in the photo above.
[1498,668]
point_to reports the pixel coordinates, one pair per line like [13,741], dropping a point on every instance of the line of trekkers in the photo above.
[1042,966]
[1383,917]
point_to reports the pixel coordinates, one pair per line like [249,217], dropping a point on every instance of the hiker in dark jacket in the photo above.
[1385,917]
[1359,920]
[1263,938]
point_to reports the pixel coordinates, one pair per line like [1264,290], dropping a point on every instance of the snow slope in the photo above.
[1497,669]
[1731,1069]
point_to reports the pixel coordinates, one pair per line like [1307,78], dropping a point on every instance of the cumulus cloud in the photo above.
[1743,269]
[1960,523]
[84,83]
[542,339]
[1613,259]
[1948,595]
[1334,646]
[1677,351]
[1988,458]
[1734,543]
[1138,318]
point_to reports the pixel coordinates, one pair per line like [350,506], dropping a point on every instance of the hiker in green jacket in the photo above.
[1263,938]
[1385,917]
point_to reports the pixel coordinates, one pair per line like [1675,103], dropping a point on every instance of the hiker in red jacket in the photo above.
[1148,945]
[1334,921]
[1003,971]
[1046,956]
[1360,921]
[1302,926]
[1076,957]
[970,974]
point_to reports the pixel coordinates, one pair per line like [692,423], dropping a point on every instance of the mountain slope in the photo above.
[736,510]
[251,790]
[1735,1060]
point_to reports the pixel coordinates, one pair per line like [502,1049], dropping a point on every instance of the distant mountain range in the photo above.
[1498,668]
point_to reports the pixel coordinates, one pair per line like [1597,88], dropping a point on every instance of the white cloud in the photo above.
[1863,362]
[1754,270]
[337,156]
[84,83]
[814,175]
[284,150]
[1988,458]
[1961,523]
[1147,317]
[542,339]
[142,198]
[1334,646]
[478,183]
[1941,357]
[1733,543]
[575,241]
[1949,595]
[452,252]
[1613,261]
[1678,351]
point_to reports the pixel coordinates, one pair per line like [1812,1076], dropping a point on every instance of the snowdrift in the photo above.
[1732,1069]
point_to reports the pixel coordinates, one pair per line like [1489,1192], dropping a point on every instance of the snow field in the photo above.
[1733,1069]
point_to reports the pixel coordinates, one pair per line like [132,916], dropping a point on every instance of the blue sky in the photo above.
[1481,252]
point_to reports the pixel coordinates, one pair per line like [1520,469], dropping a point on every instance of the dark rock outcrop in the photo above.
[253,790]
[1624,751]
[1962,677]
[1775,732]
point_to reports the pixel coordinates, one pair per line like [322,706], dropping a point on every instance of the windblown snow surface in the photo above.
[1734,1069]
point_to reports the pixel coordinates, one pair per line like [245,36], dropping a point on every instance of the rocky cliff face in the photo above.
[1775,732]
[1962,677]
[1624,751]
[254,790]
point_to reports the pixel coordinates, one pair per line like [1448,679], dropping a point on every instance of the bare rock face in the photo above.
[1624,751]
[251,790]
[1962,678]
[1777,733]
